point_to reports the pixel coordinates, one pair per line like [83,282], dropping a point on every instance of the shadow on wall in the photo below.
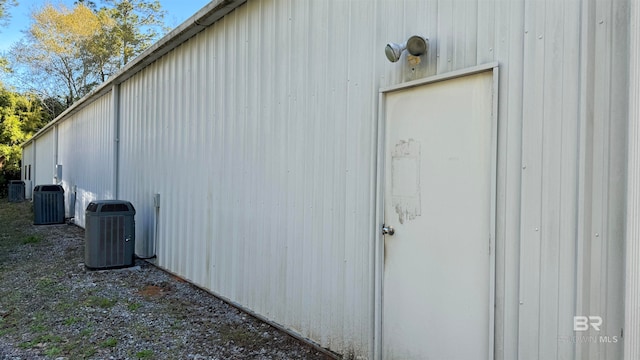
[145,228]
[144,219]
[82,200]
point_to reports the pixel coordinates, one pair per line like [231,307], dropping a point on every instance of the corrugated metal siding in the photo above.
[27,163]
[549,179]
[27,160]
[85,152]
[264,167]
[572,172]
[259,134]
[632,245]
[291,116]
[261,179]
[44,170]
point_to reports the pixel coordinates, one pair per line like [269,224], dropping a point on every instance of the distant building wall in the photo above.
[44,167]
[86,151]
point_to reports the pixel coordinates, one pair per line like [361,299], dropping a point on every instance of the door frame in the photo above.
[380,187]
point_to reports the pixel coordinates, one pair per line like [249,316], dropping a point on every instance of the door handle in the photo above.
[387,230]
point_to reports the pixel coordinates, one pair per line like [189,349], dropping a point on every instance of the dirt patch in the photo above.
[51,307]
[152,290]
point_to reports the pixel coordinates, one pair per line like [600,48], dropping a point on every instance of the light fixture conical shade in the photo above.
[393,51]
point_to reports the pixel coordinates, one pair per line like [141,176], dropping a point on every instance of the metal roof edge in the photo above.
[202,19]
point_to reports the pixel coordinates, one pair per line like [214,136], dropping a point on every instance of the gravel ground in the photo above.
[52,308]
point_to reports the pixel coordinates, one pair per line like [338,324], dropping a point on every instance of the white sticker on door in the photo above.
[405,179]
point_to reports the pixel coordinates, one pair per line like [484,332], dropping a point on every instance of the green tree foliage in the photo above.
[4,65]
[20,117]
[137,24]
[67,52]
[101,50]
[4,16]
[53,50]
[4,6]
[90,4]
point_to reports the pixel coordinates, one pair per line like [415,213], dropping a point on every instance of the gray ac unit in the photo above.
[109,234]
[16,191]
[48,204]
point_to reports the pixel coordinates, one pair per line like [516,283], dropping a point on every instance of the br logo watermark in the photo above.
[581,323]
[585,323]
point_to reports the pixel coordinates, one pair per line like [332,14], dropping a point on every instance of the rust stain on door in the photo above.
[405,180]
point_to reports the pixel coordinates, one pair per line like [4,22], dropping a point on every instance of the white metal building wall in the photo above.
[27,163]
[259,135]
[263,159]
[264,168]
[27,160]
[574,116]
[86,153]
[632,242]
[43,171]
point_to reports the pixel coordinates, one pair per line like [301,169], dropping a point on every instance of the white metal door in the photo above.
[439,187]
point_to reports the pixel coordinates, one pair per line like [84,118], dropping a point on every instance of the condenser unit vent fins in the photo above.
[48,204]
[109,234]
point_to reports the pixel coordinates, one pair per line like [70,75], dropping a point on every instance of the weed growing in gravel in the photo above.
[48,287]
[48,338]
[86,331]
[65,305]
[235,335]
[71,347]
[42,339]
[31,239]
[26,345]
[38,328]
[110,342]
[71,320]
[143,332]
[44,283]
[102,302]
[53,351]
[37,324]
[88,352]
[134,306]
[144,354]
[176,325]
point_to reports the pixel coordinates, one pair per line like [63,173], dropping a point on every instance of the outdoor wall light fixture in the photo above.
[393,51]
[416,46]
